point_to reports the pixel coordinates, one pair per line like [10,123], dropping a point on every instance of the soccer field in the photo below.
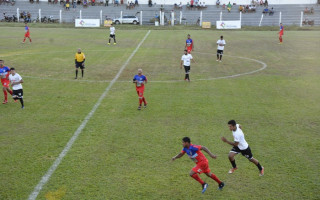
[272,90]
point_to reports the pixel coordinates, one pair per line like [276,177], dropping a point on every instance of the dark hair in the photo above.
[186,50]
[221,36]
[232,122]
[189,35]
[186,139]
[12,68]
[1,60]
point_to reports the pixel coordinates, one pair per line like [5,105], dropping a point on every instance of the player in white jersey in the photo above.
[186,61]
[240,145]
[16,80]
[221,43]
[112,35]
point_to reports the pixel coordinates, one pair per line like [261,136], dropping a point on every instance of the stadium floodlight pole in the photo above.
[301,19]
[221,16]
[80,14]
[200,18]
[261,20]
[101,17]
[180,17]
[141,18]
[40,15]
[18,15]
[280,17]
[60,15]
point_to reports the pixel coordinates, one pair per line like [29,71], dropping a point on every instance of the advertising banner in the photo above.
[228,25]
[87,23]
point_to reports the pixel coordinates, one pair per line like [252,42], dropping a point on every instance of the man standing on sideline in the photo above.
[189,44]
[112,34]
[80,58]
[4,75]
[202,165]
[27,33]
[281,33]
[186,61]
[16,80]
[240,146]
[221,43]
[140,80]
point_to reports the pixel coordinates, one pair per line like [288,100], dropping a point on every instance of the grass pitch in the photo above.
[125,154]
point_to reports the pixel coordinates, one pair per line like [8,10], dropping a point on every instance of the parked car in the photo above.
[126,20]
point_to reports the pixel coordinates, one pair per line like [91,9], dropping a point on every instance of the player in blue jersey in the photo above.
[140,80]
[27,33]
[189,44]
[4,75]
[202,165]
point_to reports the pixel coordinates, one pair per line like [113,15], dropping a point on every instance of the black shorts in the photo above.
[79,64]
[187,69]
[246,153]
[220,52]
[17,94]
[112,36]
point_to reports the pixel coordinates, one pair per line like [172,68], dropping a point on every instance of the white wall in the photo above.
[213,2]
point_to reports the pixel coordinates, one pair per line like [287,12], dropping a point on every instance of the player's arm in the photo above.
[145,81]
[229,142]
[208,152]
[134,80]
[178,156]
[181,62]
[16,83]
[192,60]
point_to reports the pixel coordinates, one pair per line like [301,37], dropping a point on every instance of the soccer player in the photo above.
[4,74]
[202,166]
[80,58]
[240,146]
[221,43]
[140,80]
[186,61]
[189,44]
[112,34]
[27,33]
[16,80]
[281,33]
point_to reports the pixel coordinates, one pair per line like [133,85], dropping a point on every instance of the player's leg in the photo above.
[140,93]
[218,55]
[114,39]
[30,39]
[8,89]
[205,168]
[195,176]
[18,94]
[5,95]
[77,66]
[144,99]
[221,53]
[82,69]
[234,151]
[109,39]
[248,154]
[24,39]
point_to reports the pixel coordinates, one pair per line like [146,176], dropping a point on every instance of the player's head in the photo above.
[111,25]
[79,50]
[280,24]
[188,36]
[186,142]
[232,125]
[25,24]
[12,70]
[139,71]
[221,37]
[185,52]
[1,63]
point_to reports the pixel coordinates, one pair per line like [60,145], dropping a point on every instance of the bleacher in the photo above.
[291,14]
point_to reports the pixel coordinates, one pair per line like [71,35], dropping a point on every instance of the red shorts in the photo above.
[27,35]
[140,91]
[201,167]
[5,83]
[189,49]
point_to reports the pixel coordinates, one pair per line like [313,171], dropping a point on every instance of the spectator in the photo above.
[93,2]
[229,6]
[312,10]
[240,8]
[180,5]
[116,3]
[271,11]
[150,3]
[107,3]
[79,2]
[67,6]
[200,5]
[261,2]
[266,10]
[191,3]
[217,2]
[306,10]
[266,3]
[136,3]
[188,4]
[74,5]
[204,4]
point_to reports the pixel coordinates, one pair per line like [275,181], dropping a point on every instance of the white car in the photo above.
[126,20]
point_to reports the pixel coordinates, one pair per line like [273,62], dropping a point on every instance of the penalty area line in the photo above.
[68,146]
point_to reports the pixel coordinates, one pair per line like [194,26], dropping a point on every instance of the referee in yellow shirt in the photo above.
[79,62]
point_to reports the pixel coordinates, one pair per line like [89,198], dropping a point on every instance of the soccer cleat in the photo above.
[15,100]
[139,108]
[221,185]
[22,107]
[4,102]
[145,106]
[262,172]
[217,60]
[108,43]
[220,60]
[114,43]
[75,77]
[22,42]
[204,187]
[232,170]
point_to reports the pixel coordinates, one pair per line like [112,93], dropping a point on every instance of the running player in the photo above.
[186,61]
[4,74]
[240,146]
[202,166]
[189,44]
[27,33]
[112,34]
[221,43]
[80,58]
[281,33]
[140,80]
[16,80]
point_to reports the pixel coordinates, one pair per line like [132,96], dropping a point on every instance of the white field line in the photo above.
[57,162]
[264,66]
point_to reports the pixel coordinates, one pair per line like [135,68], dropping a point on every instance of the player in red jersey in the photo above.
[4,74]
[202,166]
[140,80]
[189,44]
[281,33]
[27,33]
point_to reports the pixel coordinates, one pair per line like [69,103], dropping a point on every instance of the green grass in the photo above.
[125,154]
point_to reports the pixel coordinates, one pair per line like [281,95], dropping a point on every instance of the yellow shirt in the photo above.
[80,57]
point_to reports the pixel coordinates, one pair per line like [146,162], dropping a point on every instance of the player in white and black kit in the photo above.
[112,34]
[240,146]
[16,80]
[221,43]
[186,61]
